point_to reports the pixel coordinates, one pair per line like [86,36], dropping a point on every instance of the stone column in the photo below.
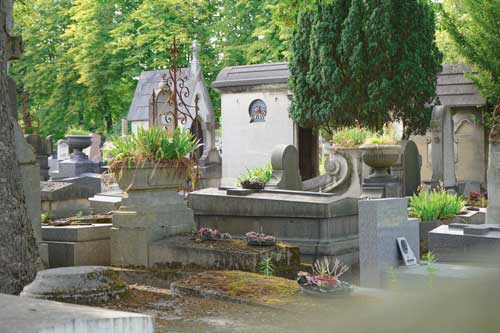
[443,148]
[493,212]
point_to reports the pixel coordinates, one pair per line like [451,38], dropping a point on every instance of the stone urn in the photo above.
[380,158]
[150,175]
[78,143]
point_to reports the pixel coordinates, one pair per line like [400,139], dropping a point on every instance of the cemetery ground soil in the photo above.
[194,314]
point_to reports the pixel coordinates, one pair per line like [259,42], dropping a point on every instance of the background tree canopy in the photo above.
[365,62]
[83,57]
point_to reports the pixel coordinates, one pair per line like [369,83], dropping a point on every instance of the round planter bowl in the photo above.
[380,157]
[78,142]
[148,176]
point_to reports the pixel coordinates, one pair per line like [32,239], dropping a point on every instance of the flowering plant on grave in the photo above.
[326,275]
[207,234]
[477,199]
[254,238]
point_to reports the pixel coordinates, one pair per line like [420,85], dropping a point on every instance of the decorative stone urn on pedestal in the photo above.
[78,143]
[152,209]
[381,158]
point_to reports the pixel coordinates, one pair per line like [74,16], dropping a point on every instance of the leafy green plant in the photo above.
[350,136]
[44,218]
[152,145]
[388,137]
[266,266]
[429,259]
[76,131]
[435,205]
[257,174]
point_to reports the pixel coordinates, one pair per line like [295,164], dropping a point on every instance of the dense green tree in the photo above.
[369,62]
[474,27]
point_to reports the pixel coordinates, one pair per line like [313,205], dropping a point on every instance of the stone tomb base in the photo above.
[143,218]
[466,243]
[78,245]
[319,224]
[224,255]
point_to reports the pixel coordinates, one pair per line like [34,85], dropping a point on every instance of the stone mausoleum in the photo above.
[254,118]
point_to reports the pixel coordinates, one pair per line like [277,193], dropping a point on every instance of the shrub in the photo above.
[351,136]
[434,205]
[76,131]
[152,145]
[257,174]
[388,137]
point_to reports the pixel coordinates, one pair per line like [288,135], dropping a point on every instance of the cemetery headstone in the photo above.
[62,150]
[42,149]
[408,168]
[443,148]
[285,163]
[94,152]
[381,222]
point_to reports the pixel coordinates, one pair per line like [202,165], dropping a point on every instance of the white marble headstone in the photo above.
[63,152]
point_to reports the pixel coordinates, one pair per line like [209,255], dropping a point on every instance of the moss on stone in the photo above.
[248,286]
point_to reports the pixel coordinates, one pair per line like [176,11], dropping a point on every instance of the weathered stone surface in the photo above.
[466,243]
[443,147]
[28,315]
[319,223]
[381,222]
[408,168]
[85,284]
[106,202]
[285,163]
[224,255]
[145,217]
[493,212]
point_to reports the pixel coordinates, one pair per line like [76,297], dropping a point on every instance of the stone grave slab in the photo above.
[84,284]
[285,163]
[62,199]
[466,243]
[224,255]
[28,315]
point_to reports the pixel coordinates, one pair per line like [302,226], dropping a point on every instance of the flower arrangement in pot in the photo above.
[207,234]
[256,178]
[256,239]
[325,278]
[153,159]
[381,152]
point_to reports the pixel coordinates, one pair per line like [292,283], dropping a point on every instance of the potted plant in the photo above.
[433,209]
[153,159]
[256,239]
[325,278]
[380,152]
[256,178]
[207,234]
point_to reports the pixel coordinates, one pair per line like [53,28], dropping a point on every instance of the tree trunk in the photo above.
[18,251]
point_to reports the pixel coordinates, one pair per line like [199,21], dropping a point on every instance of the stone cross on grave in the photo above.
[286,174]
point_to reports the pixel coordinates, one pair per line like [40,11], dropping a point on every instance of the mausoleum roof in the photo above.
[454,89]
[251,75]
[149,81]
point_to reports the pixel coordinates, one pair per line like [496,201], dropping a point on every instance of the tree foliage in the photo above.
[365,61]
[474,28]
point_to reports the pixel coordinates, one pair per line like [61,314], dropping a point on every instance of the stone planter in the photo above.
[147,176]
[424,228]
[380,158]
[78,143]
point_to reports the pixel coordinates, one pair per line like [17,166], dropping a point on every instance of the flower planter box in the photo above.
[148,176]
